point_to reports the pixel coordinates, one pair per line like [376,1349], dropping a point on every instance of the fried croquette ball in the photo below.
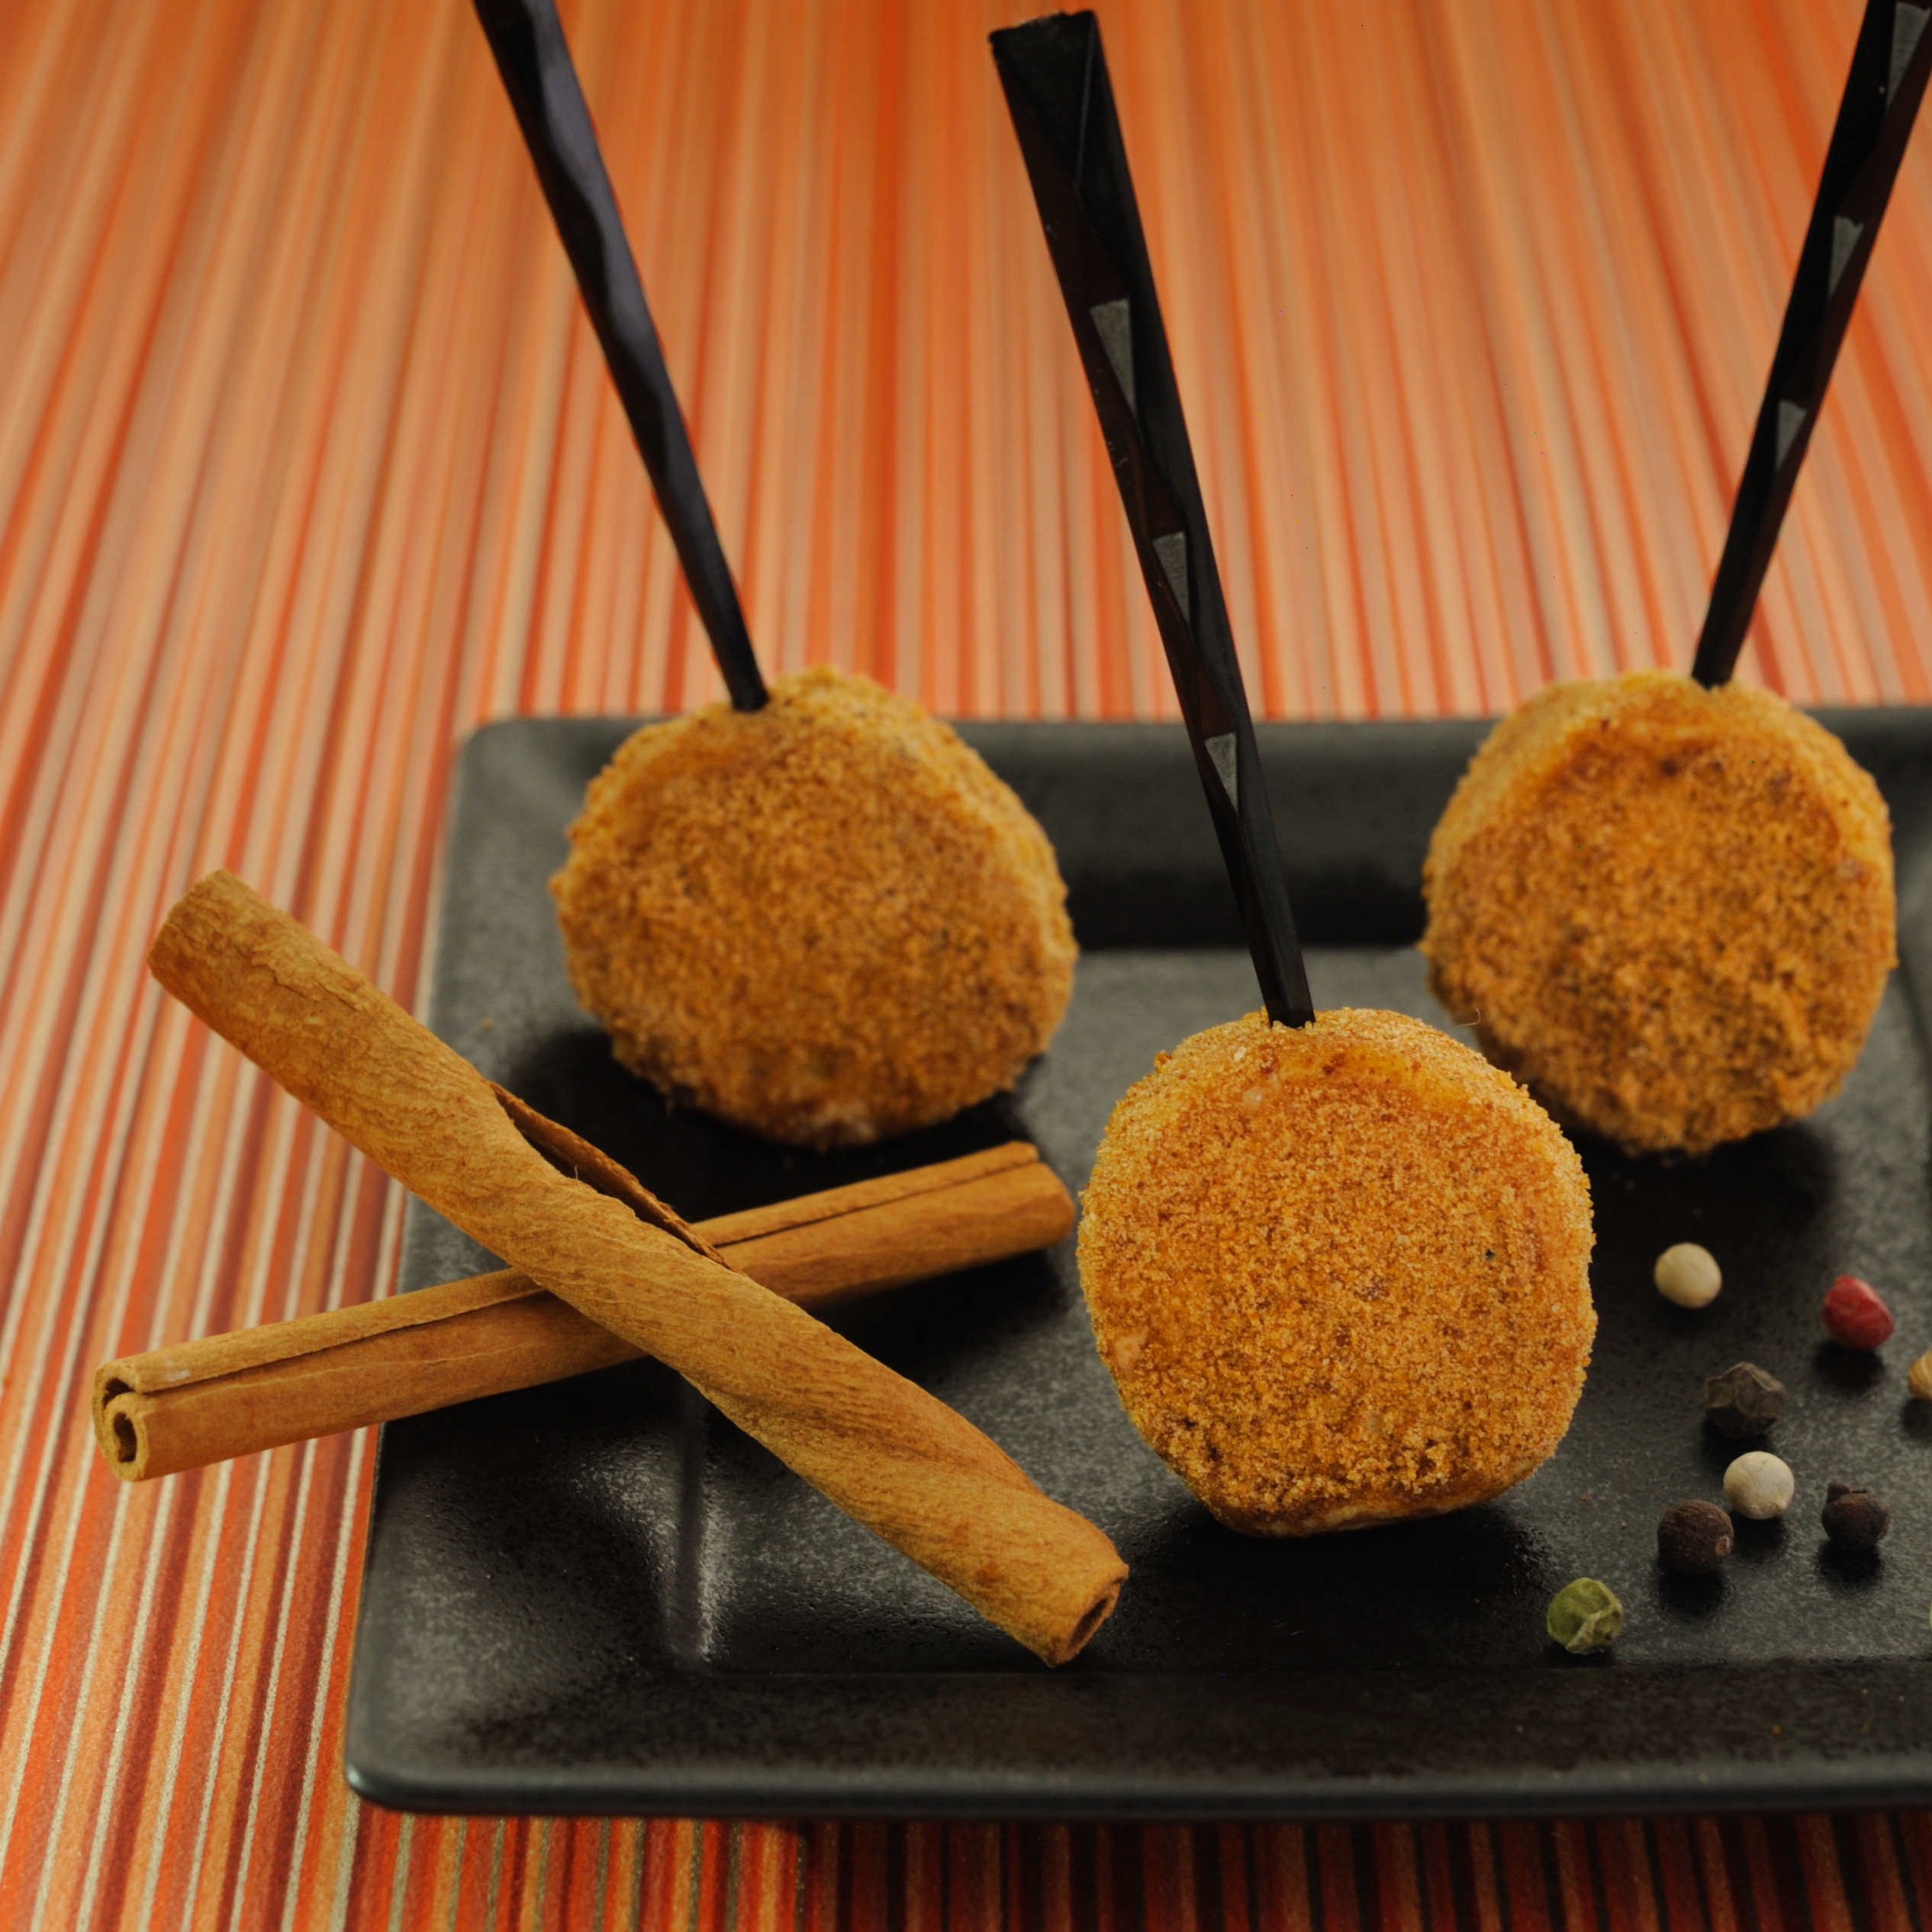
[1667,910]
[1340,1273]
[825,921]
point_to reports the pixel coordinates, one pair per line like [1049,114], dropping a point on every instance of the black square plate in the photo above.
[598,1596]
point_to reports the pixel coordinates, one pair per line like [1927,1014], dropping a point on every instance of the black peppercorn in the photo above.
[1854,1519]
[1744,1401]
[1694,1538]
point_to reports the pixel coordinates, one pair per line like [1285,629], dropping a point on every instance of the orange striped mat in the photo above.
[308,464]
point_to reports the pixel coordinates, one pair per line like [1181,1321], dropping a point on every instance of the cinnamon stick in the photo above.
[169,1410]
[891,1455]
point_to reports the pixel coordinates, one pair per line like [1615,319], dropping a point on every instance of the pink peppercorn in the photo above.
[1854,1315]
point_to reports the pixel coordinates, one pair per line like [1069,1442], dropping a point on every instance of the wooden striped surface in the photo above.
[308,464]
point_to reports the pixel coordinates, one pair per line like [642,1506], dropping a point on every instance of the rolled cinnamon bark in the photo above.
[169,1410]
[891,1455]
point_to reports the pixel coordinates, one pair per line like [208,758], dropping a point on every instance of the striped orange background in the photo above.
[308,464]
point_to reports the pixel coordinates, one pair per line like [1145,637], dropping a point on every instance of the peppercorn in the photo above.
[1759,1485]
[1918,1377]
[1744,1401]
[1584,1616]
[1694,1538]
[1687,1275]
[1854,1315]
[1854,1519]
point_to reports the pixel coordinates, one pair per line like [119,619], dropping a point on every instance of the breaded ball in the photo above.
[1668,910]
[825,921]
[1340,1273]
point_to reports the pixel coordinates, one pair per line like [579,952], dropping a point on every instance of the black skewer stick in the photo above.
[528,41]
[1056,76]
[1888,70]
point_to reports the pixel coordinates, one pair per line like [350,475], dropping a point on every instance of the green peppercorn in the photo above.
[1584,1616]
[1744,1401]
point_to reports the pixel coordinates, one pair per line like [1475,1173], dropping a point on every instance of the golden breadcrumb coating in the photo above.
[827,921]
[1340,1273]
[1668,910]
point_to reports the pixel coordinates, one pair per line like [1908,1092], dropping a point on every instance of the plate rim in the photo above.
[1820,1767]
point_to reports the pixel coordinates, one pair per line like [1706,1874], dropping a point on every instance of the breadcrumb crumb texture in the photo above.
[1668,909]
[1340,1273]
[827,921]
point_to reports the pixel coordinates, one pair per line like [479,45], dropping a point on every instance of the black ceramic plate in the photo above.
[599,1596]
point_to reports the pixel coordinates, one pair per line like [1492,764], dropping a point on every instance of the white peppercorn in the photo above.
[1687,1275]
[1759,1485]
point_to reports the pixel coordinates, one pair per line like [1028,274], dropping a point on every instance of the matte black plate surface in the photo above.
[600,1596]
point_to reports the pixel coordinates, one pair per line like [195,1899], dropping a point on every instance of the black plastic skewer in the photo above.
[1889,66]
[1056,76]
[527,40]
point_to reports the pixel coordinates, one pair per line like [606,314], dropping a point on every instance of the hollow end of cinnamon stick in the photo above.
[123,1443]
[1083,1632]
